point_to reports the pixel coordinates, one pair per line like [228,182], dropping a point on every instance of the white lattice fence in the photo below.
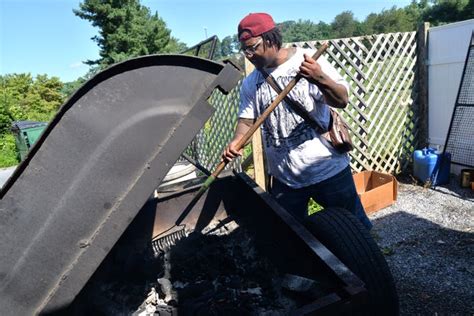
[383,112]
[383,109]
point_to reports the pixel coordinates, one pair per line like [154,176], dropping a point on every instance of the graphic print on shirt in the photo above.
[284,129]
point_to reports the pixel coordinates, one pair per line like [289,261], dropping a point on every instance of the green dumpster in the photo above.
[26,133]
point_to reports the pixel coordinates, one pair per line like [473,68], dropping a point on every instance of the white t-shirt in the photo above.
[296,154]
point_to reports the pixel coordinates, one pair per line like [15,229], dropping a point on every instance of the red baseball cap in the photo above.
[255,24]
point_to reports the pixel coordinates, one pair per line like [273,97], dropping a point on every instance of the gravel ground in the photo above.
[428,241]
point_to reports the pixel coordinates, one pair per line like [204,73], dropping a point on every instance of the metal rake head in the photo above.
[165,241]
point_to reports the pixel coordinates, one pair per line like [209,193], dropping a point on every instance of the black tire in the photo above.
[345,236]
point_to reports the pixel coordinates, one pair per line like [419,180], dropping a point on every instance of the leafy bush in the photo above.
[25,98]
[9,154]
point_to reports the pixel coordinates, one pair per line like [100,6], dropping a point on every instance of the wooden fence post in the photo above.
[257,147]
[422,58]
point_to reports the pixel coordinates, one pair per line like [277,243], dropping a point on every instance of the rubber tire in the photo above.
[345,236]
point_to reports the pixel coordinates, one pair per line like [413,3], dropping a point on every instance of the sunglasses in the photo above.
[250,50]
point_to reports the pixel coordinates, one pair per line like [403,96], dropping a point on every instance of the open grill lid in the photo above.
[95,165]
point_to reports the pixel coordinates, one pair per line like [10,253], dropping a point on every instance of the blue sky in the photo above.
[45,37]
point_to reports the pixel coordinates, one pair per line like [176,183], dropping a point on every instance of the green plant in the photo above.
[247,151]
[313,207]
[387,251]
[8,152]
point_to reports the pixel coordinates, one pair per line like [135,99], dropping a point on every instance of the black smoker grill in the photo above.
[290,246]
[99,161]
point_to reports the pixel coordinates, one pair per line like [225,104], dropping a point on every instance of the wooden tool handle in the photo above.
[241,143]
[244,139]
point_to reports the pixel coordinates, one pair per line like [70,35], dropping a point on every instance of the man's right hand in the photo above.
[231,151]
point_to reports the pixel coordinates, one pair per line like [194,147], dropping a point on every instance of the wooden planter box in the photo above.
[376,190]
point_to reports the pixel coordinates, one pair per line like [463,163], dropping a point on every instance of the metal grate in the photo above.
[219,130]
[209,143]
[460,139]
[466,94]
[204,49]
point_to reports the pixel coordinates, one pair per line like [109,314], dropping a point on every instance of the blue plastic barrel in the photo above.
[424,162]
[428,165]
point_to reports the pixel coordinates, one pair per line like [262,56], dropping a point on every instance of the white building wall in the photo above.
[447,50]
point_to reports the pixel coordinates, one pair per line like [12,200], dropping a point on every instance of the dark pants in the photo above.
[337,191]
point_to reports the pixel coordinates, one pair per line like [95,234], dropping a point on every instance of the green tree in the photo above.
[389,21]
[25,98]
[345,25]
[126,29]
[447,11]
[70,87]
[229,46]
[15,88]
[9,155]
[304,30]
[468,11]
[325,30]
[415,12]
[175,46]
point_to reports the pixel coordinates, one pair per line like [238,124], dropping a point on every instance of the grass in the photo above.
[387,251]
[313,207]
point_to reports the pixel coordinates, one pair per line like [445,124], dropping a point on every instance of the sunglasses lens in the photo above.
[249,51]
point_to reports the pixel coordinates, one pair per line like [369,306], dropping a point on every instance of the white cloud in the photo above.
[78,64]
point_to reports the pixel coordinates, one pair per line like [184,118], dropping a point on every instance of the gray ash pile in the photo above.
[203,274]
[224,275]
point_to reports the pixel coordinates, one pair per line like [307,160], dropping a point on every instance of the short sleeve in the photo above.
[247,106]
[329,70]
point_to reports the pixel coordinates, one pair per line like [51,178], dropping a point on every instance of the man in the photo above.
[303,164]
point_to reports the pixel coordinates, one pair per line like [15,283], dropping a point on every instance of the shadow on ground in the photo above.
[432,266]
